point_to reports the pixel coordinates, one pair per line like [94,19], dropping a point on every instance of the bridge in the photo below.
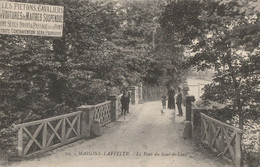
[146,138]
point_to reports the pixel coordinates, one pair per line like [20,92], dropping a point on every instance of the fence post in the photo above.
[20,142]
[238,149]
[196,121]
[187,133]
[140,93]
[86,119]
[134,98]
[185,89]
[114,105]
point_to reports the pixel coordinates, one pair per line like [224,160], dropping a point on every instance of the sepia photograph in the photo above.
[129,83]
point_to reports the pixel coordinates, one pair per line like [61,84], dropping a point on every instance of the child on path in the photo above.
[164,102]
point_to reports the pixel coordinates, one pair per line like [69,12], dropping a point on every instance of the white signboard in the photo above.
[31,19]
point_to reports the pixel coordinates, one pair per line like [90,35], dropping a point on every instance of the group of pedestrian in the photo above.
[171,100]
[125,101]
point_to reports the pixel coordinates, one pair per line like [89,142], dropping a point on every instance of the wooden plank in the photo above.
[205,129]
[214,138]
[44,136]
[71,127]
[33,139]
[47,119]
[228,147]
[202,129]
[222,143]
[105,123]
[218,141]
[216,133]
[238,150]
[54,132]
[119,97]
[104,103]
[20,142]
[53,147]
[209,133]
[222,124]
[206,125]
[79,123]
[63,130]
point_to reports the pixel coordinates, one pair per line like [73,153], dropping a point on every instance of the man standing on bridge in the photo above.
[125,100]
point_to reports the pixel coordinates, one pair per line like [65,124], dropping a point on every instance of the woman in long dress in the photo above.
[171,99]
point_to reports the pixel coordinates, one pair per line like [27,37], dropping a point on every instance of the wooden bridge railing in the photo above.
[102,112]
[223,138]
[40,136]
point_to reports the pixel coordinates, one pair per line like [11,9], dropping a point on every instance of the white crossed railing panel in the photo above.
[223,138]
[40,136]
[102,112]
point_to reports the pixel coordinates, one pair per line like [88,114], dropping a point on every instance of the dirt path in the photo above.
[146,138]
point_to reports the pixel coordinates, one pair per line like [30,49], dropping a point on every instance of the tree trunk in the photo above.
[240,114]
[238,105]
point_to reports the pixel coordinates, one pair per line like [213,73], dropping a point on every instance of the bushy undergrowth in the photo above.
[250,141]
[8,143]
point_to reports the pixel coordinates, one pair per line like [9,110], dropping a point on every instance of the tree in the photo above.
[141,42]
[180,25]
[228,47]
[105,46]
[224,35]
[40,74]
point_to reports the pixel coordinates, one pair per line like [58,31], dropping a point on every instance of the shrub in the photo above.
[8,142]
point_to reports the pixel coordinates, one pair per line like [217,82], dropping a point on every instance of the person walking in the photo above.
[171,99]
[179,102]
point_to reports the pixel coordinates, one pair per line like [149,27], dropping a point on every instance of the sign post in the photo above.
[18,18]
